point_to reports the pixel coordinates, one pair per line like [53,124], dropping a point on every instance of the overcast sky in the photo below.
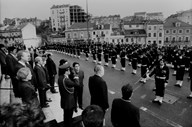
[41,8]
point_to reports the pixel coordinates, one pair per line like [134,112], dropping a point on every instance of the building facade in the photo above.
[185,16]
[150,16]
[25,33]
[63,16]
[177,32]
[134,32]
[155,32]
[113,20]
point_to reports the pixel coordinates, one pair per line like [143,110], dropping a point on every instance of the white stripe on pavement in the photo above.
[171,123]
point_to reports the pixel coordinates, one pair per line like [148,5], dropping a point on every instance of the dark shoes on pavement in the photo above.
[49,100]
[178,85]
[157,101]
[54,91]
[189,97]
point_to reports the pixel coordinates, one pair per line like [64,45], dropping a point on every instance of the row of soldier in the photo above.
[144,56]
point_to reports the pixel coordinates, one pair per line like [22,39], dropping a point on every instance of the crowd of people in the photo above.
[32,73]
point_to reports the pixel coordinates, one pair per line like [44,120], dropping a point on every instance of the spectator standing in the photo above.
[123,112]
[41,81]
[98,89]
[3,61]
[52,71]
[79,88]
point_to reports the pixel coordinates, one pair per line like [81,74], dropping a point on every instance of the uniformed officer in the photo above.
[106,56]
[123,60]
[114,58]
[161,76]
[99,53]
[134,62]
[144,68]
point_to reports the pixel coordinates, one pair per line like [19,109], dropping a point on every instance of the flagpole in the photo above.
[87,21]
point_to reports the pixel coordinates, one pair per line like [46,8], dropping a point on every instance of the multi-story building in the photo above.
[155,32]
[185,16]
[134,32]
[63,16]
[20,21]
[79,31]
[101,33]
[150,16]
[25,33]
[113,20]
[177,32]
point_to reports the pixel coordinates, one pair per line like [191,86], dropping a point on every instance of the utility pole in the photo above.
[87,21]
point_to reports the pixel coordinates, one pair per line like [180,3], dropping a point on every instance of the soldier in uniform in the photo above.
[180,70]
[123,60]
[134,62]
[144,68]
[114,58]
[99,52]
[161,76]
[106,56]
[86,50]
[93,51]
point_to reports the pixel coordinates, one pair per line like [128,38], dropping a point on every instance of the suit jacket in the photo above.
[11,62]
[123,113]
[51,67]
[98,91]
[66,92]
[41,76]
[81,77]
[3,62]
[27,93]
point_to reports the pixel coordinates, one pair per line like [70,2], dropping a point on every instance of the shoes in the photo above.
[189,97]
[177,85]
[49,100]
[133,73]
[7,77]
[157,101]
[81,107]
[54,91]
[75,110]
[45,106]
[154,89]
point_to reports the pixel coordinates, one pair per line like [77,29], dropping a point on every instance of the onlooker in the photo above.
[93,116]
[52,71]
[66,90]
[41,81]
[98,88]
[123,113]
[20,115]
[3,62]
[79,88]
[25,88]
[12,61]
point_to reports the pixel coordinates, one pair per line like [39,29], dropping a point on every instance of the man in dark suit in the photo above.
[79,89]
[123,113]
[3,62]
[52,71]
[41,81]
[12,61]
[98,88]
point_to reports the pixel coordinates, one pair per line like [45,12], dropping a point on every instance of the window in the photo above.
[149,42]
[155,27]
[154,34]
[187,39]
[174,31]
[130,26]
[167,31]
[113,40]
[160,34]
[149,27]
[178,24]
[137,25]
[180,31]
[149,34]
[187,31]
[179,39]
[121,40]
[127,39]
[160,42]
[94,33]
[52,11]
[173,39]
[75,34]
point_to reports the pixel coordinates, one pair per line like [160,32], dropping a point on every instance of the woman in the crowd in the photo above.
[26,89]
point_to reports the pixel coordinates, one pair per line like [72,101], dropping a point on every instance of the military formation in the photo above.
[147,57]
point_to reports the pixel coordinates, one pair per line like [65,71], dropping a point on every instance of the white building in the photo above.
[155,32]
[150,16]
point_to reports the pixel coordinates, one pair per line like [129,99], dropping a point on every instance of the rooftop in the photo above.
[171,23]
[60,6]
[81,25]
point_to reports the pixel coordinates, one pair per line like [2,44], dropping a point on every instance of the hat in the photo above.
[62,61]
[2,45]
[11,48]
[65,66]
